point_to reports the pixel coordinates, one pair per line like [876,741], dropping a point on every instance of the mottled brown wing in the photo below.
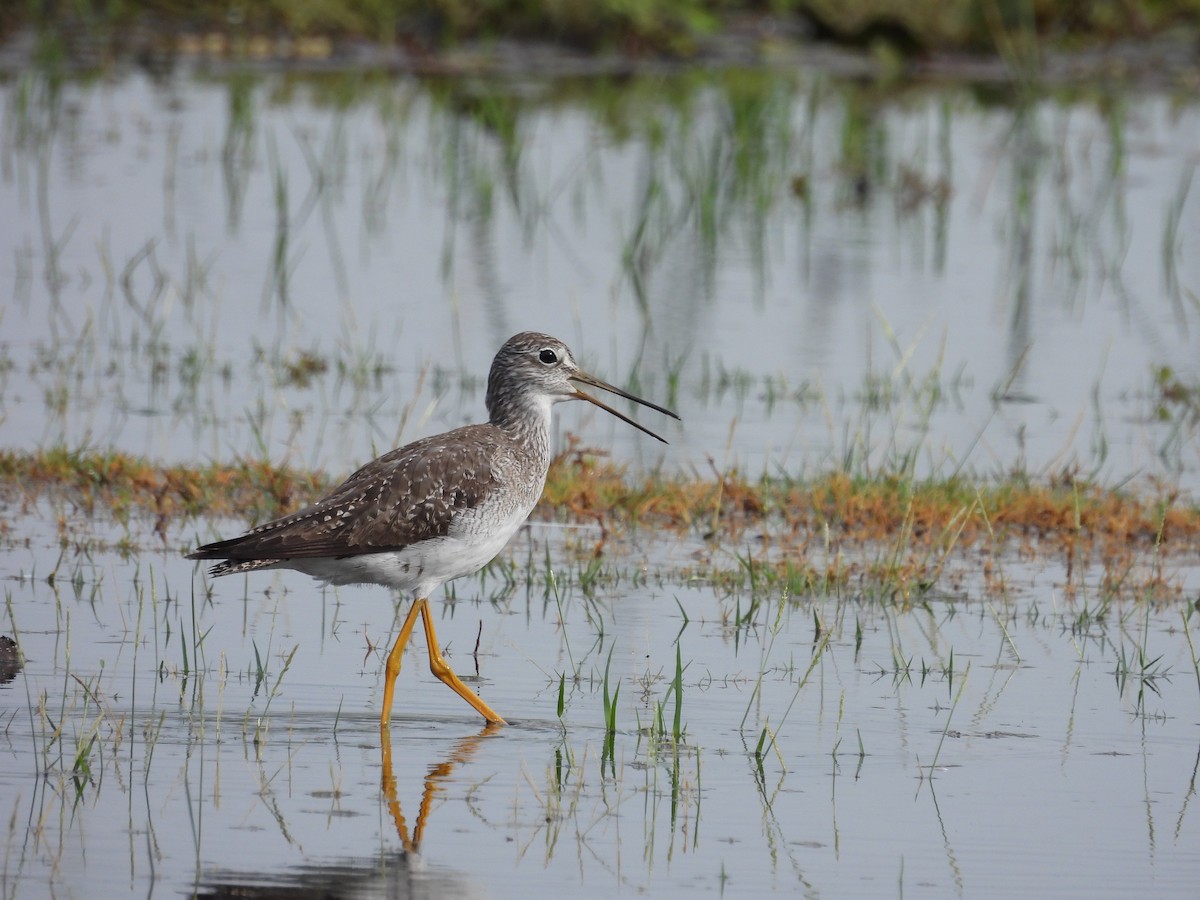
[407,495]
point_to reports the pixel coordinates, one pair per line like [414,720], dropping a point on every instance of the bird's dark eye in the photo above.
[548,356]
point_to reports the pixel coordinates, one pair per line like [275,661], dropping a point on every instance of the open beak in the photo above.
[585,378]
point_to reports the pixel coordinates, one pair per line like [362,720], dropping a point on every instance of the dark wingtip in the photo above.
[215,550]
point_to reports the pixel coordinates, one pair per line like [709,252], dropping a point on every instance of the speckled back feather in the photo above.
[408,495]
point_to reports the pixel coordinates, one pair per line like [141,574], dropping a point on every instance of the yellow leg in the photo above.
[393,662]
[441,669]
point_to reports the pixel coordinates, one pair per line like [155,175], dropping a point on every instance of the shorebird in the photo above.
[437,509]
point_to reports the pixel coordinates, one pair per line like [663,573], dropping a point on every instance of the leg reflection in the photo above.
[460,752]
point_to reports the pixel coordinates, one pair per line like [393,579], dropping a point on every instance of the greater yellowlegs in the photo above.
[436,509]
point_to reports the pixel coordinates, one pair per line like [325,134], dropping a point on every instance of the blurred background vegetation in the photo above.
[677,27]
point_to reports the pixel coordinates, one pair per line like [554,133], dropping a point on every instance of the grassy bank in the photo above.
[641,26]
[584,487]
[803,530]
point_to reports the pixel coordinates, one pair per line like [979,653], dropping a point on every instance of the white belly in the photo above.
[420,568]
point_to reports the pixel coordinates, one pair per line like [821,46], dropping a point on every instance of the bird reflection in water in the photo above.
[379,875]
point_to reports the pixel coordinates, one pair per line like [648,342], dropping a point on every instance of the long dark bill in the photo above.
[592,380]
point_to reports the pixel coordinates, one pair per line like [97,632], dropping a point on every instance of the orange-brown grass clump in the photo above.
[811,535]
[874,509]
[806,528]
[126,485]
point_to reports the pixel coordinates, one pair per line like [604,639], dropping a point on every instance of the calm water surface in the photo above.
[817,274]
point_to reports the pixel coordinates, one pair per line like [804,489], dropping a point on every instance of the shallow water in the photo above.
[970,744]
[816,273]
